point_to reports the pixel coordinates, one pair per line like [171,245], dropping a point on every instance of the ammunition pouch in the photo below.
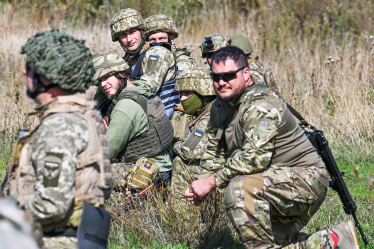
[93,230]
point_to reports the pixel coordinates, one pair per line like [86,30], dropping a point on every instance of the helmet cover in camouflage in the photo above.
[214,42]
[124,20]
[161,23]
[62,59]
[241,42]
[108,62]
[195,80]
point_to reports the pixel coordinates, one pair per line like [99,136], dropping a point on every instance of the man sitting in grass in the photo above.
[275,179]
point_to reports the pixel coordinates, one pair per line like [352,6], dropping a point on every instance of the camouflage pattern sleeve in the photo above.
[185,62]
[192,148]
[257,73]
[260,116]
[158,68]
[214,157]
[55,147]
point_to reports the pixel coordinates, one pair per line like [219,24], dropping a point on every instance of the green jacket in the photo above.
[127,121]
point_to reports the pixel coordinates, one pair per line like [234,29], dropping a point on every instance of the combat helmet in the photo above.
[241,42]
[195,80]
[124,20]
[161,23]
[108,62]
[61,58]
[213,42]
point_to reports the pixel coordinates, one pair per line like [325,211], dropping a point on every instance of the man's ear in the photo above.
[172,38]
[246,74]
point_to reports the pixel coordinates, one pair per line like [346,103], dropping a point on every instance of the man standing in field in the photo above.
[275,179]
[60,174]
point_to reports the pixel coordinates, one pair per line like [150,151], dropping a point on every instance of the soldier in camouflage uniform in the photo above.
[136,124]
[153,64]
[162,28]
[258,74]
[275,179]
[197,97]
[162,31]
[257,71]
[211,44]
[60,174]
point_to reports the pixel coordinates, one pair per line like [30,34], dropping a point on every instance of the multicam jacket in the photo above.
[255,132]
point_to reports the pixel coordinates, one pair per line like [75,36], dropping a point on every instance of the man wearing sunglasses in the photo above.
[275,179]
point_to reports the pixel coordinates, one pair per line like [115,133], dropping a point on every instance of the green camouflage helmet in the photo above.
[161,23]
[124,20]
[62,59]
[195,80]
[213,42]
[241,42]
[108,62]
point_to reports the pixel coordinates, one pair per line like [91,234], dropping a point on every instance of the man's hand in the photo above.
[199,189]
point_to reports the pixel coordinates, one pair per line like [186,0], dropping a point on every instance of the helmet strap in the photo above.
[40,87]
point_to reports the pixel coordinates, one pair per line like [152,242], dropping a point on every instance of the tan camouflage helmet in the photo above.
[213,42]
[124,20]
[161,23]
[108,62]
[195,80]
[241,42]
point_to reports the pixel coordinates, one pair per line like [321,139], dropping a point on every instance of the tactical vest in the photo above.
[93,172]
[159,135]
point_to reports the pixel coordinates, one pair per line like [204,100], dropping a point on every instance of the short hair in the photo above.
[230,52]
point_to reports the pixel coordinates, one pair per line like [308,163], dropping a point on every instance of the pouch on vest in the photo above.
[93,230]
[142,174]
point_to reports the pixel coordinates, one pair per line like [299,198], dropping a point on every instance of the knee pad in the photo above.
[230,198]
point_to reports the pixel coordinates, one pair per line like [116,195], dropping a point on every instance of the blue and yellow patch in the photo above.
[153,57]
[198,133]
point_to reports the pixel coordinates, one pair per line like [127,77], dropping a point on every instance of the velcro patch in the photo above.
[51,170]
[198,133]
[264,123]
[153,57]
[148,164]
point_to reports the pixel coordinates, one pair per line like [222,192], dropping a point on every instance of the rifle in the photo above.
[159,183]
[337,183]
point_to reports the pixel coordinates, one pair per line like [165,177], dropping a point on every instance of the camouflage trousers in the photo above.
[60,242]
[270,208]
[183,175]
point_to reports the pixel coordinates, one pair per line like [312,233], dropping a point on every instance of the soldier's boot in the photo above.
[347,237]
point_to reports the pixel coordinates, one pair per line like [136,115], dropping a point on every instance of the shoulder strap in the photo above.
[142,101]
[207,109]
[138,69]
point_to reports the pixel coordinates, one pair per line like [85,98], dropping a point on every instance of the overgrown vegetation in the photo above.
[321,53]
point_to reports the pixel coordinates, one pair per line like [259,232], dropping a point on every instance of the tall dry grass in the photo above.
[322,60]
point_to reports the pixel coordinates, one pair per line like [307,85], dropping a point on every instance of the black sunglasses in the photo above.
[225,76]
